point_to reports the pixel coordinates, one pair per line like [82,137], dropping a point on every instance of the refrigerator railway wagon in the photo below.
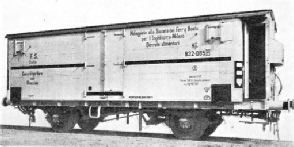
[184,72]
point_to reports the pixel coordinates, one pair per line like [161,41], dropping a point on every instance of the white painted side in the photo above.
[114,57]
[93,73]
[237,55]
[275,56]
[268,81]
[246,61]
[56,83]
[276,52]
[105,52]
[63,49]
[173,82]
[176,82]
[138,47]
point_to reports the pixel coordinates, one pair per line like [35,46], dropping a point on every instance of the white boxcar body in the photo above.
[180,61]
[104,57]
[184,71]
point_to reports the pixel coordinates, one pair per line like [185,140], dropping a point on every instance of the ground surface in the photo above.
[42,136]
[14,131]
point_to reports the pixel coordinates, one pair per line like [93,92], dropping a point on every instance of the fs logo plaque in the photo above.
[194,68]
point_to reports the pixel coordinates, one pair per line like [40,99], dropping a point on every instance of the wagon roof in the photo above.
[201,18]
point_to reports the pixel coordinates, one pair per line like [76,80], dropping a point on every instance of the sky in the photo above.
[19,16]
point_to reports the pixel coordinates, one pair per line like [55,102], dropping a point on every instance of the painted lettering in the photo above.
[152,44]
[32,82]
[168,36]
[32,62]
[138,34]
[31,73]
[195,28]
[205,52]
[33,56]
[170,43]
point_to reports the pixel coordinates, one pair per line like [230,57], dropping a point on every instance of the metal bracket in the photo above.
[120,34]
[123,64]
[104,32]
[98,112]
[88,65]
[290,105]
[86,37]
[85,93]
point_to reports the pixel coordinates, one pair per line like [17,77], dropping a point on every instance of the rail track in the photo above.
[25,135]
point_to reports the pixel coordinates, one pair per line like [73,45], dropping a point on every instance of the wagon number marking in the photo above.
[205,52]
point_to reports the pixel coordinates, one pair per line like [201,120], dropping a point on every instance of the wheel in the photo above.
[88,124]
[66,121]
[189,128]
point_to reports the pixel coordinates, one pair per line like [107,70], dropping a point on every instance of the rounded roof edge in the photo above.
[199,18]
